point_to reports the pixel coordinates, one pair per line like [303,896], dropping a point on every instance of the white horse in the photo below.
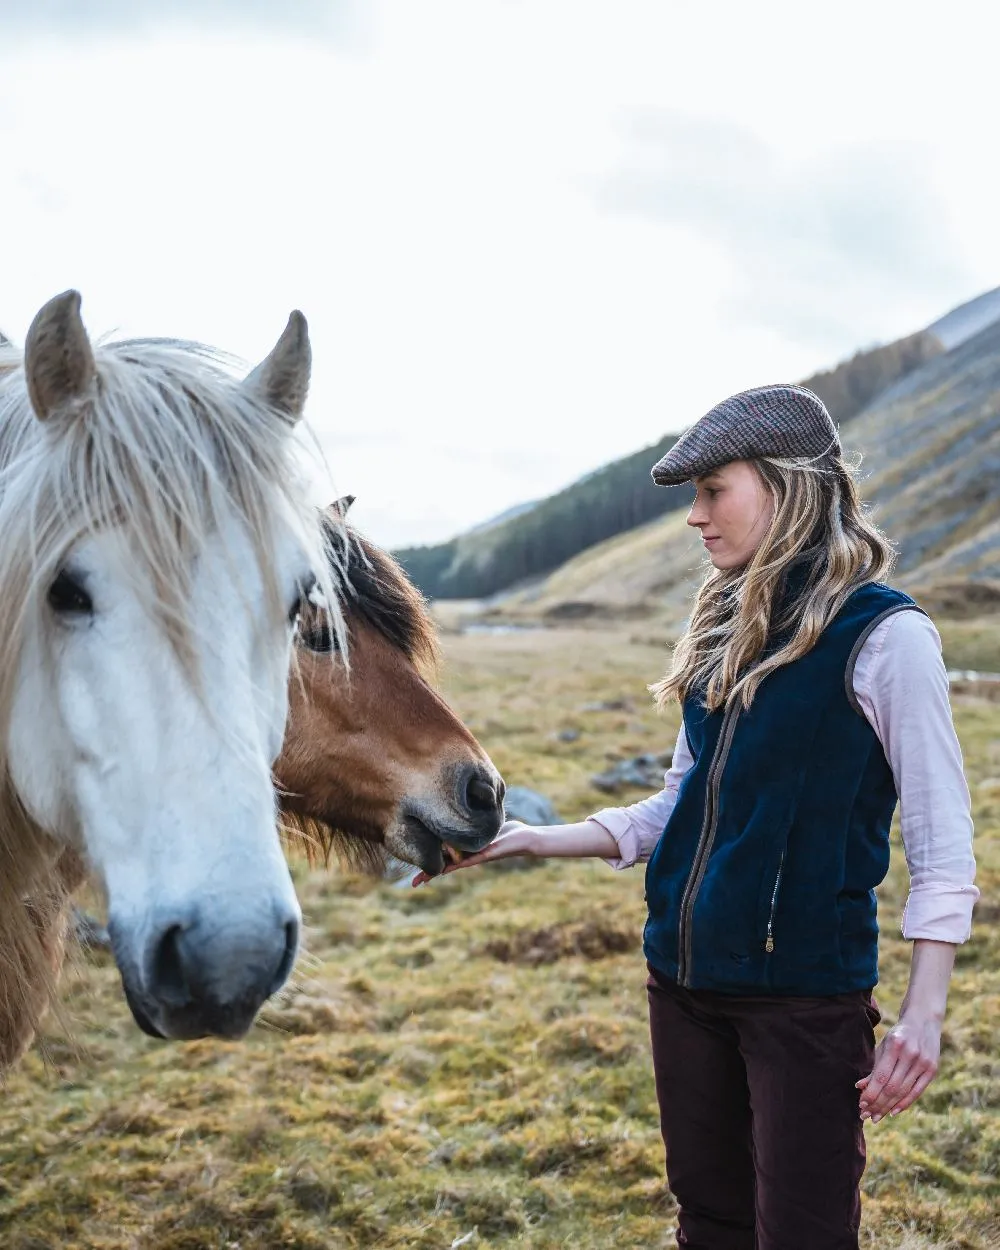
[156,543]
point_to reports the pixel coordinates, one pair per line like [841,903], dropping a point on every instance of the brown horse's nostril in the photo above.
[480,796]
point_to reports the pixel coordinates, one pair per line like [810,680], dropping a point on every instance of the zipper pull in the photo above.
[769,944]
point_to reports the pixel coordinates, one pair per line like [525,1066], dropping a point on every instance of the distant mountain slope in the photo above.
[931,469]
[507,515]
[482,562]
[932,451]
[617,498]
[648,571]
[967,319]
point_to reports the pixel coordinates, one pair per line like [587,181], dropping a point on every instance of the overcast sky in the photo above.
[528,236]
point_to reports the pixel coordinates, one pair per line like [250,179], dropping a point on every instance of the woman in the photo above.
[812,696]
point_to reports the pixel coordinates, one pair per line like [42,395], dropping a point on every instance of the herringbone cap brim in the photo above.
[782,420]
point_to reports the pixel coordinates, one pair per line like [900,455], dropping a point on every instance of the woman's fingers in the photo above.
[504,846]
[921,1084]
[898,1089]
[893,1059]
[903,1070]
[879,1099]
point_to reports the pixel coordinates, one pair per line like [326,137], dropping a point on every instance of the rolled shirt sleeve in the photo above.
[637,828]
[902,686]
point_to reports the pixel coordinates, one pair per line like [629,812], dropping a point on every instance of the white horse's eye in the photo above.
[68,597]
[310,594]
[311,618]
[301,600]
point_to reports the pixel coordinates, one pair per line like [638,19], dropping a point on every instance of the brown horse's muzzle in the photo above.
[431,835]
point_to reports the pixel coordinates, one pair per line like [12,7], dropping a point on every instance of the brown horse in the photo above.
[374,761]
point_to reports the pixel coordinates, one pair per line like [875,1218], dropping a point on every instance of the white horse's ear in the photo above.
[58,359]
[282,378]
[340,507]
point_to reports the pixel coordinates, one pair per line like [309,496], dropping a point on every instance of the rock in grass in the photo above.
[645,771]
[529,806]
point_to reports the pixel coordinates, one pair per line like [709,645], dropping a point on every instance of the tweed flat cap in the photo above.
[781,420]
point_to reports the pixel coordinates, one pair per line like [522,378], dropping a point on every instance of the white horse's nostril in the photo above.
[288,958]
[169,980]
[208,967]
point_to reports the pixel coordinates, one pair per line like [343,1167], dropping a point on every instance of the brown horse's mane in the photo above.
[319,843]
[377,593]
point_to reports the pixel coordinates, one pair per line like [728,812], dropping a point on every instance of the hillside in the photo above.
[931,466]
[619,497]
[484,561]
[967,319]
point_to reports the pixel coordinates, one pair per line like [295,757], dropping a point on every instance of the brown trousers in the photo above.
[759,1115]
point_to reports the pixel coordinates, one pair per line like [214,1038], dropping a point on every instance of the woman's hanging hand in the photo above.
[906,1059]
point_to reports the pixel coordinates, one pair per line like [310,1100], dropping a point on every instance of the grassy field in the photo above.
[467,1064]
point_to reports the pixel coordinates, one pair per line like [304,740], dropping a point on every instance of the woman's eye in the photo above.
[68,597]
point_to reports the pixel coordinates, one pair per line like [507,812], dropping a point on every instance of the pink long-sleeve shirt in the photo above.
[902,687]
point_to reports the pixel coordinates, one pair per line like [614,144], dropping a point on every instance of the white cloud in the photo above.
[819,246]
[485,329]
[342,20]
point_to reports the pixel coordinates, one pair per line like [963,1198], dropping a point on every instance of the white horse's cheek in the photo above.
[274,711]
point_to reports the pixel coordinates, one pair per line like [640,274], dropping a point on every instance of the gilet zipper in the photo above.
[769,943]
[705,841]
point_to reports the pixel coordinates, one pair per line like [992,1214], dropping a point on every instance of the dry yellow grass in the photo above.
[469,1060]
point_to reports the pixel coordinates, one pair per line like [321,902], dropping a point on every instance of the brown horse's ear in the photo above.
[340,507]
[282,377]
[58,359]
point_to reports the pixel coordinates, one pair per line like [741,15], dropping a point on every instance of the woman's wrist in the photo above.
[924,1007]
[926,995]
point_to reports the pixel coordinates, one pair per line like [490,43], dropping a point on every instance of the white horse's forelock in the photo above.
[172,444]
[169,446]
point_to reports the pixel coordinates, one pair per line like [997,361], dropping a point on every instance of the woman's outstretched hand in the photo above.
[513,839]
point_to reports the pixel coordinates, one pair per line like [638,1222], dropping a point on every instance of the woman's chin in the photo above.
[725,561]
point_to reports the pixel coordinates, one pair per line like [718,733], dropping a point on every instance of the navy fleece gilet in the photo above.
[764,879]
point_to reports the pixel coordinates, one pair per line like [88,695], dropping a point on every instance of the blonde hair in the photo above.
[749,621]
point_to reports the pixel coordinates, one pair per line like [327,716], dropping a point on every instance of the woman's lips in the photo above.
[708,539]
